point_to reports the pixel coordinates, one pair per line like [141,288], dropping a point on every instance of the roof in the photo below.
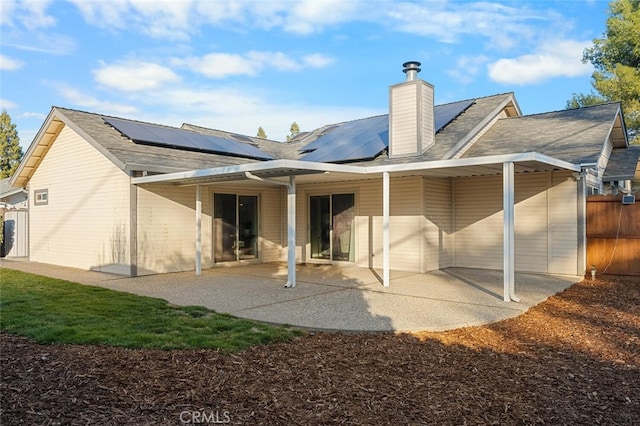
[576,135]
[490,126]
[622,164]
[6,190]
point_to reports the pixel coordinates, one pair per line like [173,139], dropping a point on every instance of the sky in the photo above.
[242,64]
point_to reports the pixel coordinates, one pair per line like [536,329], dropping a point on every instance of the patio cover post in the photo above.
[291,232]
[508,200]
[385,229]
[198,230]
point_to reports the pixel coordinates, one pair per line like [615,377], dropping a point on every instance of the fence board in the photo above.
[613,235]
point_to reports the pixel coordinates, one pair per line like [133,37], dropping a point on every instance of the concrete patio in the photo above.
[331,297]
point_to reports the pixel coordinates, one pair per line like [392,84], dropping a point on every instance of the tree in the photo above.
[294,129]
[579,100]
[616,59]
[10,149]
[261,134]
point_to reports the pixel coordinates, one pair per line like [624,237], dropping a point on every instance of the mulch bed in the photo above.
[574,359]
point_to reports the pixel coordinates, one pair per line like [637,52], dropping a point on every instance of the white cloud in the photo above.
[8,64]
[503,26]
[467,68]
[134,76]
[562,58]
[30,14]
[310,16]
[180,19]
[222,65]
[82,100]
[7,104]
[318,60]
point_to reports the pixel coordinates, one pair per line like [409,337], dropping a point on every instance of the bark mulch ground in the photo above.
[574,359]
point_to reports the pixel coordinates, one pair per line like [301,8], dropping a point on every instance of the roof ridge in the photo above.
[565,110]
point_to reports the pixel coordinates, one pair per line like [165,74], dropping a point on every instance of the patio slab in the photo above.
[332,297]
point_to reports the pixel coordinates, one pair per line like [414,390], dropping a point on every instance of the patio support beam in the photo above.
[385,229]
[508,200]
[582,223]
[198,230]
[291,232]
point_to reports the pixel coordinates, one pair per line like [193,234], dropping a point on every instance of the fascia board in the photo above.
[32,147]
[250,167]
[57,114]
[476,161]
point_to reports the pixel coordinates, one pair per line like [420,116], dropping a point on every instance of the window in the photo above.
[41,197]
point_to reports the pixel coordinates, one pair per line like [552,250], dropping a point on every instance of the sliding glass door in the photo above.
[331,233]
[235,222]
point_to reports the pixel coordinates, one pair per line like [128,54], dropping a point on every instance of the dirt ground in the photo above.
[574,359]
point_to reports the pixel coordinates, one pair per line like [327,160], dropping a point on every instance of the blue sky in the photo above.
[236,65]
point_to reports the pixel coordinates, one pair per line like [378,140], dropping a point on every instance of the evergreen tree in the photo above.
[616,59]
[261,134]
[10,149]
[294,130]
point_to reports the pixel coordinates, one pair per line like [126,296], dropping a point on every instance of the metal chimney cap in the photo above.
[411,68]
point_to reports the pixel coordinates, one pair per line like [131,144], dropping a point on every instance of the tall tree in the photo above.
[294,130]
[10,149]
[616,59]
[261,134]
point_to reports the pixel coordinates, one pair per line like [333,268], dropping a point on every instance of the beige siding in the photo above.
[86,221]
[545,223]
[273,241]
[531,222]
[404,120]
[563,218]
[166,228]
[426,117]
[405,221]
[478,222]
[437,228]
[166,225]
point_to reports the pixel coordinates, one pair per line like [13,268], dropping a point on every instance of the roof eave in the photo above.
[49,131]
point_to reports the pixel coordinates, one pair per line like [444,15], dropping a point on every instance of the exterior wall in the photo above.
[437,230]
[405,222]
[546,222]
[563,228]
[166,225]
[85,223]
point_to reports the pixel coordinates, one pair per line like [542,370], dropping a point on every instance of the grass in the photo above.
[57,311]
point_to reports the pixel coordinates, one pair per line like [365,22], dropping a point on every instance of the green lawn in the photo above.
[52,310]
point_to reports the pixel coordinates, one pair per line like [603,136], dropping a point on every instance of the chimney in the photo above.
[411,117]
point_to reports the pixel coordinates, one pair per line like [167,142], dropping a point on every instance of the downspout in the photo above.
[291,224]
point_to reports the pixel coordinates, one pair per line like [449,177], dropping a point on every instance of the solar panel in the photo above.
[355,140]
[153,134]
[365,139]
[445,114]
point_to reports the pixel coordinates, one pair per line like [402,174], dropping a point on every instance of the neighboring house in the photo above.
[468,184]
[14,214]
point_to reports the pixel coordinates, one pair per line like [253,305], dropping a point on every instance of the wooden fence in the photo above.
[613,235]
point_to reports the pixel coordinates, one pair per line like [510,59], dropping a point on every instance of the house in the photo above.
[471,184]
[13,215]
